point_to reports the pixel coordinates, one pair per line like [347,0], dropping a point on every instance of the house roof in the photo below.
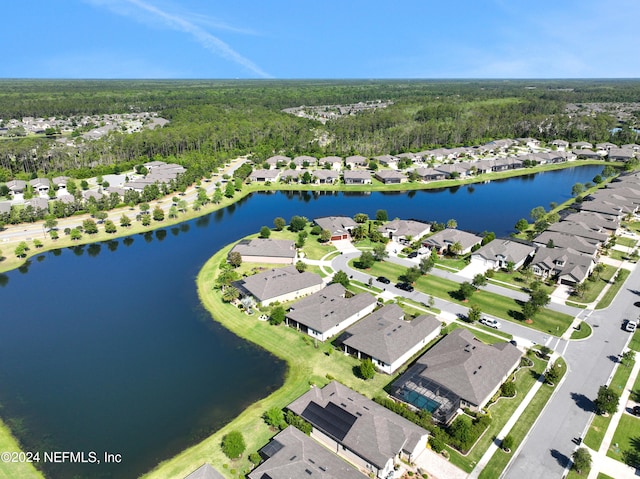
[449,236]
[328,307]
[337,225]
[330,159]
[580,229]
[466,366]
[206,471]
[275,159]
[276,248]
[563,240]
[326,174]
[5,207]
[386,336]
[16,185]
[603,207]
[278,281]
[563,261]
[369,430]
[390,174]
[429,172]
[504,248]
[595,220]
[405,228]
[357,175]
[267,174]
[38,203]
[292,455]
[356,160]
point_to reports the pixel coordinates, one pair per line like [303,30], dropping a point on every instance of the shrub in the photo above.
[508,389]
[233,444]
[436,443]
[255,458]
[507,442]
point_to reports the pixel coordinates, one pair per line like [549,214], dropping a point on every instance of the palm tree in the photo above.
[230,293]
[455,248]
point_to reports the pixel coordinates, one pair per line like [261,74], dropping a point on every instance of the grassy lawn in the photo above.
[548,321]
[635,341]
[14,470]
[517,280]
[500,459]
[602,475]
[635,226]
[619,255]
[312,248]
[594,288]
[627,437]
[623,274]
[583,332]
[573,474]
[496,337]
[312,366]
[628,242]
[599,424]
[452,263]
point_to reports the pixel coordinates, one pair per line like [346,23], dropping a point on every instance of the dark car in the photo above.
[636,410]
[413,254]
[383,280]
[405,287]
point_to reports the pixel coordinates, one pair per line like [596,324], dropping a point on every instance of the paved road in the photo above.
[549,445]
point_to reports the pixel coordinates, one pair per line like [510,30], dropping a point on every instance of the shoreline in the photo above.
[10,262]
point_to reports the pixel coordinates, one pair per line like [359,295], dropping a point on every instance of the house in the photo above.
[569,266]
[40,186]
[280,284]
[621,154]
[266,250]
[582,145]
[443,240]
[206,471]
[327,312]
[606,146]
[458,372]
[564,240]
[357,177]
[60,182]
[265,175]
[356,161]
[305,161]
[604,208]
[596,221]
[278,161]
[456,170]
[387,160]
[333,162]
[38,203]
[17,186]
[389,177]
[404,231]
[387,339]
[340,227]
[292,454]
[5,207]
[500,252]
[87,194]
[358,429]
[579,229]
[562,145]
[587,154]
[326,176]
[430,174]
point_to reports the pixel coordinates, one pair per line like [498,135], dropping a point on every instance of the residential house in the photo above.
[206,471]
[266,250]
[569,266]
[17,186]
[581,230]
[356,161]
[596,221]
[38,203]
[621,154]
[327,312]
[326,176]
[305,161]
[389,177]
[358,429]
[291,454]
[340,227]
[265,175]
[357,177]
[333,162]
[456,170]
[606,146]
[278,161]
[430,174]
[60,182]
[443,240]
[587,154]
[564,240]
[387,160]
[41,186]
[631,146]
[5,207]
[404,231]
[582,145]
[562,145]
[387,339]
[458,372]
[501,145]
[279,285]
[604,208]
[500,252]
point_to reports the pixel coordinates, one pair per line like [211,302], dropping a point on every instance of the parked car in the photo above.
[413,254]
[635,410]
[405,287]
[383,280]
[492,323]
[630,326]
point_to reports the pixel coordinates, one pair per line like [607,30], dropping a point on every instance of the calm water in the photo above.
[106,347]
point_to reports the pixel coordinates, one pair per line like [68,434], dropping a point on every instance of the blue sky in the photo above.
[327,39]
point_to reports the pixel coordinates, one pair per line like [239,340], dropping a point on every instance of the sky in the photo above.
[287,39]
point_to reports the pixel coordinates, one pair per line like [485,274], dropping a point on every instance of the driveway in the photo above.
[438,467]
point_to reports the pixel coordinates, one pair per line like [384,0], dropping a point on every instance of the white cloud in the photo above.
[144,11]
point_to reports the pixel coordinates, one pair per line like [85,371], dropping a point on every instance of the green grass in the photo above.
[602,475]
[628,242]
[619,255]
[573,474]
[548,321]
[517,280]
[452,263]
[627,437]
[623,274]
[635,341]
[583,332]
[485,337]
[576,305]
[500,459]
[634,226]
[599,424]
[594,288]
[14,470]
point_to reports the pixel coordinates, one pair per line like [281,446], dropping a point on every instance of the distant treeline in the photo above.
[220,119]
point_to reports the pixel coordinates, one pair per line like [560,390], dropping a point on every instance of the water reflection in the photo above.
[94,249]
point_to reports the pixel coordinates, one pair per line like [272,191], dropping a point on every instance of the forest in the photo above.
[214,120]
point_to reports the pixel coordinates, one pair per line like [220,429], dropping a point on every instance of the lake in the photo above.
[106,347]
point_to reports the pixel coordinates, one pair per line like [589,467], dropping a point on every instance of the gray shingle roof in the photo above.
[293,455]
[278,281]
[449,236]
[327,308]
[563,261]
[386,336]
[275,248]
[466,366]
[578,229]
[510,250]
[206,471]
[595,220]
[337,225]
[376,434]
[405,228]
[563,240]
[357,175]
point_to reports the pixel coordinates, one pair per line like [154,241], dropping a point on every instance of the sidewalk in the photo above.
[602,463]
